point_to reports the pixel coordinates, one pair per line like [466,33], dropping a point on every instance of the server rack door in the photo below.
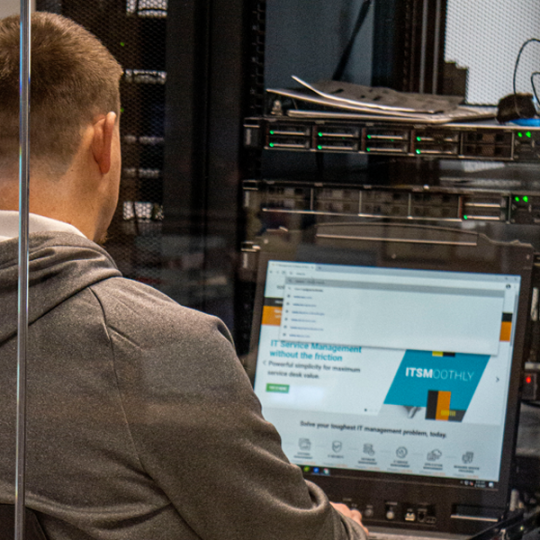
[183,92]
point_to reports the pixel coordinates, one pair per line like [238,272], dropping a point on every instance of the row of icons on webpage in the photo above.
[401,452]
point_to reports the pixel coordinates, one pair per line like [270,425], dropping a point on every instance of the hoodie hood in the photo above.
[61,265]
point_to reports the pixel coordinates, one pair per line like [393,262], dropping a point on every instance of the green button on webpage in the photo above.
[282,388]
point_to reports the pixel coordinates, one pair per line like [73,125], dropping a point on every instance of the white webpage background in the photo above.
[452,439]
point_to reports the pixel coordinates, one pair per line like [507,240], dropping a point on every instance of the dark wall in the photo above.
[307,38]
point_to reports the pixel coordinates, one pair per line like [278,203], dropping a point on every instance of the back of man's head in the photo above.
[74,78]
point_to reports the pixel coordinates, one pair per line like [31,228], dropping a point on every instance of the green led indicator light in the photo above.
[418,151]
[465,217]
[369,136]
[320,134]
[516,199]
[122,109]
[368,149]
[319,147]
[271,133]
[122,44]
[271,145]
[528,134]
[419,139]
[306,469]
[520,134]
[526,199]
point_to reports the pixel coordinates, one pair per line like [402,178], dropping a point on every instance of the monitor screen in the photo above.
[368,370]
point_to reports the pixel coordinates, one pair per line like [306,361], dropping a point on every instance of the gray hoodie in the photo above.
[141,421]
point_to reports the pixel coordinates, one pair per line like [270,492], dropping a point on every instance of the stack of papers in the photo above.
[339,100]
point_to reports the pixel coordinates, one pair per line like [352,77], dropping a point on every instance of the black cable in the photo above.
[534,73]
[136,218]
[338,74]
[517,61]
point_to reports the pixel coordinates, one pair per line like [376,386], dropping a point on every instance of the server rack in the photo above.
[202,173]
[309,172]
[319,170]
[183,92]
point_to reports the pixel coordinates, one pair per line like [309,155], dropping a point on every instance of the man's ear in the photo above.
[102,141]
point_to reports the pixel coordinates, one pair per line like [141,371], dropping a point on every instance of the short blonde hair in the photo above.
[73,79]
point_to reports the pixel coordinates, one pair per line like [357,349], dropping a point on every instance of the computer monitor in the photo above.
[394,384]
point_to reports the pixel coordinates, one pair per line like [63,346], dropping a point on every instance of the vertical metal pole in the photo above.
[436,47]
[22,322]
[423,51]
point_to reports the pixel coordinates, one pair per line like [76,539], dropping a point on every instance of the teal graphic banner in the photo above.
[424,371]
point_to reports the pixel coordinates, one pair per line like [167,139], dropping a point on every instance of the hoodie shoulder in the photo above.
[146,315]
[61,265]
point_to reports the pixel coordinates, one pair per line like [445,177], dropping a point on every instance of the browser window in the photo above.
[388,370]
